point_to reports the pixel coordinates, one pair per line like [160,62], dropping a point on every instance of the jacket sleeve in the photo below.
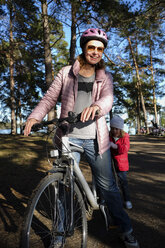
[105,100]
[49,99]
[124,145]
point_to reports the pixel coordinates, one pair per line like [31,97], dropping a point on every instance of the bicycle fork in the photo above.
[64,226]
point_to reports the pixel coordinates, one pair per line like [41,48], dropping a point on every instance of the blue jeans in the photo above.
[122,176]
[105,182]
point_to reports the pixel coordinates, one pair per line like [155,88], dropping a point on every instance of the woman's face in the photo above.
[93,51]
[115,132]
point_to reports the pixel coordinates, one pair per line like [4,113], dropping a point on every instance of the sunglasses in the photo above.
[92,48]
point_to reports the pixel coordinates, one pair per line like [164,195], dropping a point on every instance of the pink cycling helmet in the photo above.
[93,34]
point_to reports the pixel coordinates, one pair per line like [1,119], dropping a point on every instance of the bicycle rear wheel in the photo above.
[48,216]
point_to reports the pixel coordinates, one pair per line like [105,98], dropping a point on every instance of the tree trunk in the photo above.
[153,85]
[47,50]
[12,83]
[138,111]
[110,117]
[73,34]
[19,107]
[139,85]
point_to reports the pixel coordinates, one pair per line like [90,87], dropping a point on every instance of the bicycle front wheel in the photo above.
[47,223]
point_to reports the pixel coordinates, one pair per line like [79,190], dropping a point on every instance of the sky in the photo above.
[67,31]
[161,101]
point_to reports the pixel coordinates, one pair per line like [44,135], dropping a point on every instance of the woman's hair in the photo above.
[122,133]
[82,61]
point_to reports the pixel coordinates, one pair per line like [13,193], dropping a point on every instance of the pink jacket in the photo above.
[120,155]
[66,85]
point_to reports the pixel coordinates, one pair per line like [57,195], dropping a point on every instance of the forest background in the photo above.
[34,45]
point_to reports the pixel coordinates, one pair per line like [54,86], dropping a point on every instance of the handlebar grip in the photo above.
[37,127]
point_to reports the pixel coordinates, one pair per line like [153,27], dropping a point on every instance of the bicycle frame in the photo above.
[91,196]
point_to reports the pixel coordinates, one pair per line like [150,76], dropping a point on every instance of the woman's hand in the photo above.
[29,125]
[89,113]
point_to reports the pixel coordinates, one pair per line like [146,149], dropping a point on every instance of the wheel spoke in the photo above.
[48,220]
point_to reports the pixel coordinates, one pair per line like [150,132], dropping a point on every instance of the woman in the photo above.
[86,87]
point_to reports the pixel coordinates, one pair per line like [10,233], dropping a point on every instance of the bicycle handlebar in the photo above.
[72,118]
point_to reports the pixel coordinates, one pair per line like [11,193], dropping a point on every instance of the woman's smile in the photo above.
[93,51]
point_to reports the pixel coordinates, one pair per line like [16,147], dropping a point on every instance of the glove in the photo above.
[113,145]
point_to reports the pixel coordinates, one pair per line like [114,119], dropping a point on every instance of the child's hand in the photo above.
[113,145]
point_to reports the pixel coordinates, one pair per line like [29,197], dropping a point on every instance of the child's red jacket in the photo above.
[120,155]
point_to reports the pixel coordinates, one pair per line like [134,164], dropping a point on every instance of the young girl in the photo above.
[120,144]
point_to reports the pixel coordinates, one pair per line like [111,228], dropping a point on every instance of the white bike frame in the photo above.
[91,194]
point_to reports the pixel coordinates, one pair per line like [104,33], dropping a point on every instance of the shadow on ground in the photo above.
[23,164]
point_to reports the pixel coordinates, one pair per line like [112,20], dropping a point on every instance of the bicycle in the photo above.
[58,210]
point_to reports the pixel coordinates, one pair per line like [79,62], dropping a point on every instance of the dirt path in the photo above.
[146,179]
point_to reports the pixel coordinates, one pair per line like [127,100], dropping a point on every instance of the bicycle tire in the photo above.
[46,221]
